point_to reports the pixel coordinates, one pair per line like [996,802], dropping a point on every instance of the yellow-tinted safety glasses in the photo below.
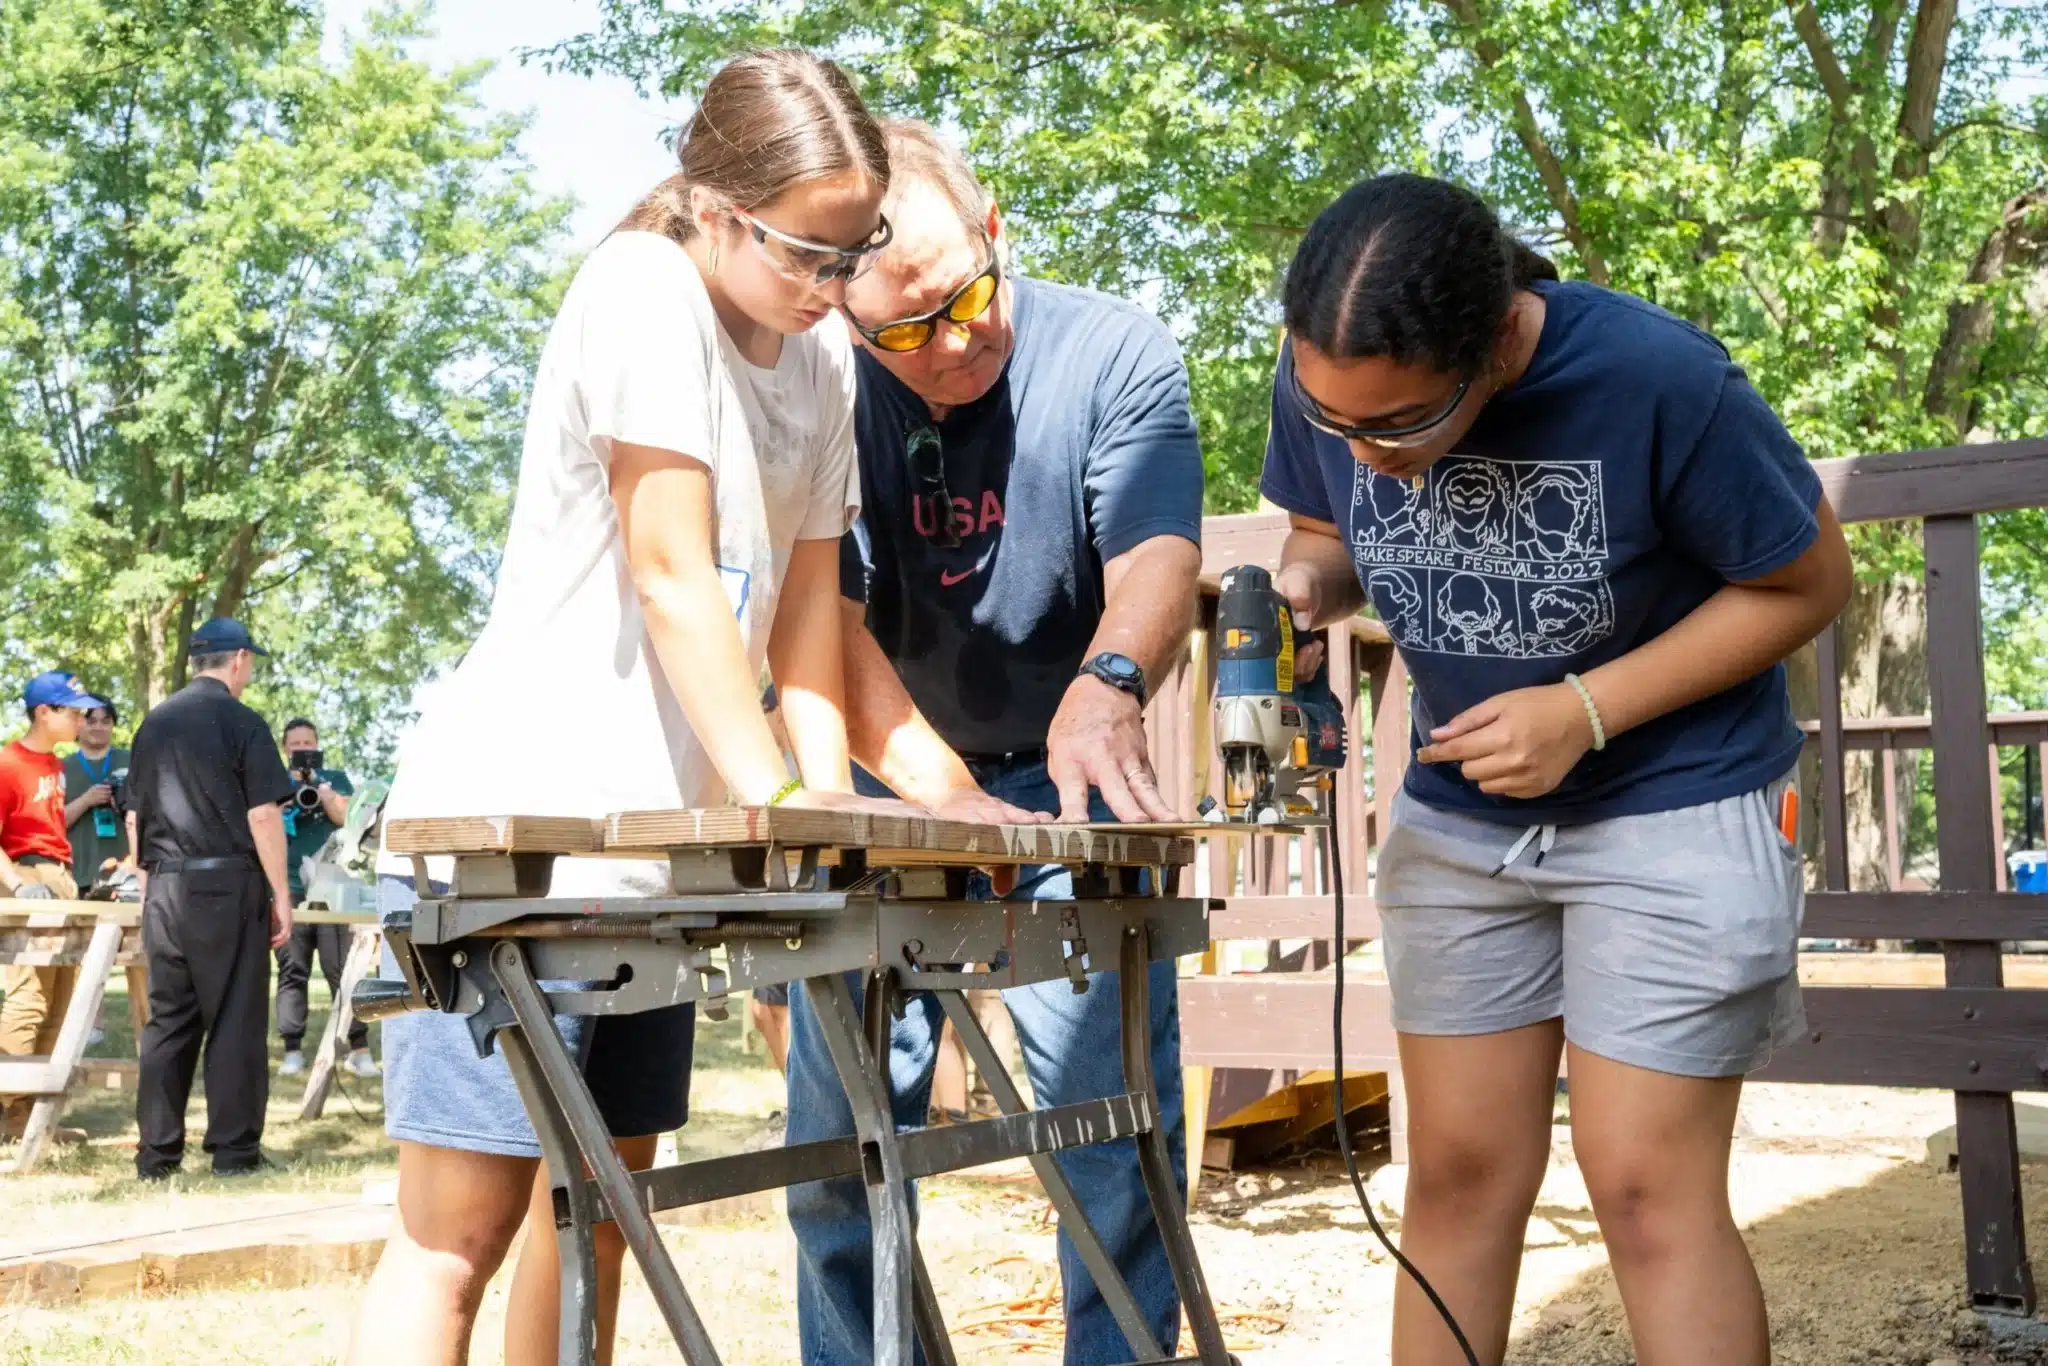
[967,303]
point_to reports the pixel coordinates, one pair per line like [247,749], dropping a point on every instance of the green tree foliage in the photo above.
[1845,192]
[266,329]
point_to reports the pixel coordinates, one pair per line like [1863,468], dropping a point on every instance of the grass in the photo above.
[88,1193]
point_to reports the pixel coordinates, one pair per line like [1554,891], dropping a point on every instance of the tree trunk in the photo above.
[1884,673]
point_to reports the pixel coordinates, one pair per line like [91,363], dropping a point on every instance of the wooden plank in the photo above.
[1295,917]
[1950,481]
[280,1250]
[1950,1038]
[654,831]
[1313,1110]
[1290,1101]
[1987,1142]
[363,947]
[35,1074]
[1349,673]
[1391,725]
[2010,728]
[1975,916]
[1834,777]
[1998,871]
[1832,969]
[28,945]
[1272,1019]
[494,835]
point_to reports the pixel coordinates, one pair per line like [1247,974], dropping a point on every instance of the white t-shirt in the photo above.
[635,355]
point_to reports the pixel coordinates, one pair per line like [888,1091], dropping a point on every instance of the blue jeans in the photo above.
[1069,1057]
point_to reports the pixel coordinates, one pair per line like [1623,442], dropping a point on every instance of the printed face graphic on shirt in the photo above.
[1487,557]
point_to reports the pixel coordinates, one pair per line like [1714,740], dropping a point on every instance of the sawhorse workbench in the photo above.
[759,897]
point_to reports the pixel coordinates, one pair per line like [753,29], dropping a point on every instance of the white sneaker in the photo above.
[293,1064]
[361,1064]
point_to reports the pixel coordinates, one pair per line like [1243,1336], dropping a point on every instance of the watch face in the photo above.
[1120,666]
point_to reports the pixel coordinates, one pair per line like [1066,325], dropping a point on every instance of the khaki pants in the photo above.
[36,997]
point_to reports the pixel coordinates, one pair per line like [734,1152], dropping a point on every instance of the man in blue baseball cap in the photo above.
[204,792]
[35,859]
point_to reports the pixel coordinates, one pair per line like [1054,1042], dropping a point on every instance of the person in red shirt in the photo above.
[35,861]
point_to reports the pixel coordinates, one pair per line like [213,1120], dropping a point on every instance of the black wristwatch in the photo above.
[1120,672]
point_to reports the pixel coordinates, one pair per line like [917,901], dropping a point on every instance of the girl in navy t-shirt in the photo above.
[1594,545]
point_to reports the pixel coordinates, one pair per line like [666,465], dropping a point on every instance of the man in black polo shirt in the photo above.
[204,786]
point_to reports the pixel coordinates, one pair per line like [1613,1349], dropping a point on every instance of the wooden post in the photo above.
[1987,1146]
[1834,775]
[138,998]
[1998,870]
[1893,837]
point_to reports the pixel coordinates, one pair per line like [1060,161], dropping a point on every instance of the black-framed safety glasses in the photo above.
[927,455]
[818,262]
[1394,438]
[964,305]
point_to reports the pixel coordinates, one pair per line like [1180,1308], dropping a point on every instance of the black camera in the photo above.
[306,765]
[117,791]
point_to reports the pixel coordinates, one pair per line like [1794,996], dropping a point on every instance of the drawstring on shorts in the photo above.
[1546,833]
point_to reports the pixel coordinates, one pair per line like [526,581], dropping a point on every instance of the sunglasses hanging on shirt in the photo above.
[927,455]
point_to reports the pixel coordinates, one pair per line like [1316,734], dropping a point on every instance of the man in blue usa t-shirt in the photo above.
[1024,565]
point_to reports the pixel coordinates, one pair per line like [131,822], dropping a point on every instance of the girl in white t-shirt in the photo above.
[688,472]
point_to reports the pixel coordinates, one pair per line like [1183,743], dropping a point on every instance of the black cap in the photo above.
[223,636]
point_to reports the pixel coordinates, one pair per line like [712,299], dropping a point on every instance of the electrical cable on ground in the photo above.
[1332,841]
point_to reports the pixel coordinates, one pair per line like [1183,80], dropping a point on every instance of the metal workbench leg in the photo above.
[867,1092]
[575,1244]
[1116,1291]
[586,1126]
[1134,973]
[877,1011]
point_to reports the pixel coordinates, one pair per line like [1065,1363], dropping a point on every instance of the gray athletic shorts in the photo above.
[1667,941]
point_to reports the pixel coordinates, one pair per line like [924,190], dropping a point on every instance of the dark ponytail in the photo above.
[1411,268]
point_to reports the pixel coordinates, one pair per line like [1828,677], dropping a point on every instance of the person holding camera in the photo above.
[93,780]
[35,862]
[204,793]
[318,807]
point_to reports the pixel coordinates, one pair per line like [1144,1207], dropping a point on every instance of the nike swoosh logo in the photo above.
[947,578]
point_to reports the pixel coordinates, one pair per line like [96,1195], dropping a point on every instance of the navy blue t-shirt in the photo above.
[1626,476]
[1084,448]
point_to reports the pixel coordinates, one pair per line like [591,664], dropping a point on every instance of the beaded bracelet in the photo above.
[795,785]
[1592,711]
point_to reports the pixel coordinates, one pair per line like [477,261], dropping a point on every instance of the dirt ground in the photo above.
[1859,1244]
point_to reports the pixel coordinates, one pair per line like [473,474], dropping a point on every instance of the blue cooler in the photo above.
[2029,871]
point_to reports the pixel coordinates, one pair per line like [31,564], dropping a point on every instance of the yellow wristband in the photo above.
[786,791]
[1592,711]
